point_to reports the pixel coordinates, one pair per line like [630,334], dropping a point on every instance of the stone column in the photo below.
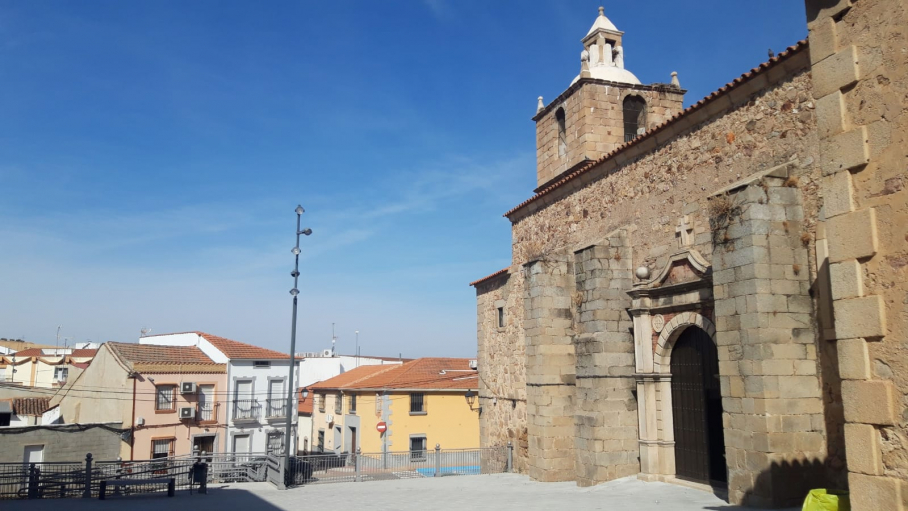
[550,368]
[606,408]
[773,410]
[860,82]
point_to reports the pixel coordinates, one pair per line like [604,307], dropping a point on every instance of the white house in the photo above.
[257,394]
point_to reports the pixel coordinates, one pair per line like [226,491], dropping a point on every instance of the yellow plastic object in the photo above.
[826,500]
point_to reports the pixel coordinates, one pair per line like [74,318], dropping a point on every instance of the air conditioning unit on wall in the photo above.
[187,387]
[187,412]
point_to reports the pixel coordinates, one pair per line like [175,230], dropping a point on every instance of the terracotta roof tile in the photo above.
[423,373]
[790,51]
[30,405]
[241,350]
[351,377]
[30,352]
[490,277]
[84,353]
[155,354]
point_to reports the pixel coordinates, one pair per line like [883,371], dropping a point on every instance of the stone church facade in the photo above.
[714,295]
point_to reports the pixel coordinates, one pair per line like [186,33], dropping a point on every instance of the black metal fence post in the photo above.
[86,494]
[34,474]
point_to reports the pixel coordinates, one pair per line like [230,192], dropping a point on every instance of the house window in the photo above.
[60,374]
[165,397]
[634,117]
[261,364]
[321,402]
[418,448]
[562,132]
[338,404]
[320,446]
[275,442]
[5,419]
[353,404]
[501,317]
[277,405]
[417,403]
[162,448]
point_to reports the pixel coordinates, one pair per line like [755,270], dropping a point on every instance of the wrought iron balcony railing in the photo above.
[246,409]
[276,407]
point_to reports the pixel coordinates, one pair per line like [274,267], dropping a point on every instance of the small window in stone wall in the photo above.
[501,317]
[562,132]
[634,117]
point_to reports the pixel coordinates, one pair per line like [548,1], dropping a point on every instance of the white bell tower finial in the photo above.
[601,10]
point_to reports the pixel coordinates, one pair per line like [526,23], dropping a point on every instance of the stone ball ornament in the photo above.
[642,273]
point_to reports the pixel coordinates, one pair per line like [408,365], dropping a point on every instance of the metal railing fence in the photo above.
[83,480]
[69,480]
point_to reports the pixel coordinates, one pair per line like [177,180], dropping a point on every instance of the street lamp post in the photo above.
[291,392]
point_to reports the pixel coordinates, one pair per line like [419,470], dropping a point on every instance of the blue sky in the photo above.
[152,153]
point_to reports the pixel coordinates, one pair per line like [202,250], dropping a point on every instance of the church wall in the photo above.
[775,428]
[605,416]
[551,369]
[769,122]
[502,367]
[861,82]
[594,122]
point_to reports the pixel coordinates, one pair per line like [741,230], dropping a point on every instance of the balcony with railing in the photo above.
[276,407]
[207,412]
[246,410]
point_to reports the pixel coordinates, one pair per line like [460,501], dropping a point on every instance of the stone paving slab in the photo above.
[499,492]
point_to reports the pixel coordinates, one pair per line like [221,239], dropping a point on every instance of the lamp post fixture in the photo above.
[291,392]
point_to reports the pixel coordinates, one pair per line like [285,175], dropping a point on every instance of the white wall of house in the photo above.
[305,433]
[187,339]
[316,369]
[259,384]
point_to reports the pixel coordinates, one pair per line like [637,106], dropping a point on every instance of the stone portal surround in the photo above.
[686,302]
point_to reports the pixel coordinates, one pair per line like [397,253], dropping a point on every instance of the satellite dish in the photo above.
[145,330]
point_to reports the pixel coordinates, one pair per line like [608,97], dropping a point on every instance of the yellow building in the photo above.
[410,407]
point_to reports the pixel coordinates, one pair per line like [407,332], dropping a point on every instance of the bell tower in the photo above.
[604,108]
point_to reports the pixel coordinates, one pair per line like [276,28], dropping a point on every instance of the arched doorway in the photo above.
[697,409]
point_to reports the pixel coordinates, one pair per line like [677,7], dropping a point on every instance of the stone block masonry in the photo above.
[605,417]
[779,415]
[861,80]
[550,369]
[502,372]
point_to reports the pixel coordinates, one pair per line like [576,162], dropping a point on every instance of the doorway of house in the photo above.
[203,445]
[697,409]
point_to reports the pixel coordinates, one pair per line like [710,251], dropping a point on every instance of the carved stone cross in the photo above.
[685,227]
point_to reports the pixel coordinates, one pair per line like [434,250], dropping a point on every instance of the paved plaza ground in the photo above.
[462,493]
